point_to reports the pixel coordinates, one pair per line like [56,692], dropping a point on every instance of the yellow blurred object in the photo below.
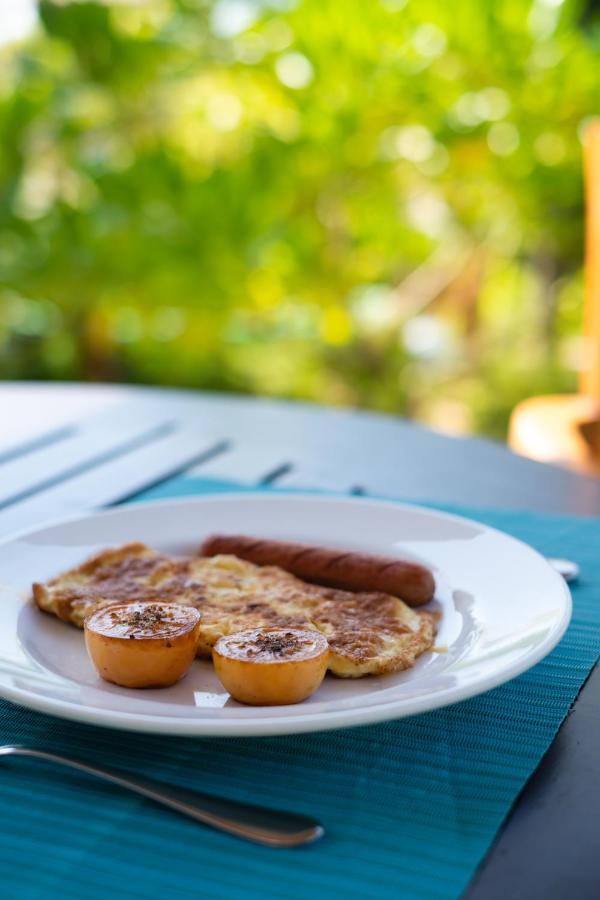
[336,328]
[558,429]
[566,429]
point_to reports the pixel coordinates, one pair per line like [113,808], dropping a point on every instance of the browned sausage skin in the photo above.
[347,570]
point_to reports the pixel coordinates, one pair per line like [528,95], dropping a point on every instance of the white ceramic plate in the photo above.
[503,609]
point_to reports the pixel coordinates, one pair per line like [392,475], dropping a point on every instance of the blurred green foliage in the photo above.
[352,201]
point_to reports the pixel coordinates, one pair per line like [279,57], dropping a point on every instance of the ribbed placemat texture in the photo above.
[410,807]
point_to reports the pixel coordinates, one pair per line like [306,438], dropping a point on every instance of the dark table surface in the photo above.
[68,448]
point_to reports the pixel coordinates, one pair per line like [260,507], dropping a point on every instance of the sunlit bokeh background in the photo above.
[373,203]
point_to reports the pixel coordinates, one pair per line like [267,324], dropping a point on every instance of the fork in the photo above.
[269,827]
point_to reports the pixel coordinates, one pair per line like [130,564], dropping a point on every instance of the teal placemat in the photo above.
[410,807]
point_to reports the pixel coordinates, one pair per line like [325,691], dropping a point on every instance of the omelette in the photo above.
[368,633]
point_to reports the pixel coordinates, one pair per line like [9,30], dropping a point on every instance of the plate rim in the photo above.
[289,724]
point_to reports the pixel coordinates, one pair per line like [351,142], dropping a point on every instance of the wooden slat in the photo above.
[96,440]
[247,463]
[39,442]
[115,479]
[444,470]
[312,475]
[30,411]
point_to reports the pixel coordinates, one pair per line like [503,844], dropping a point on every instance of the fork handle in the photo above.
[269,827]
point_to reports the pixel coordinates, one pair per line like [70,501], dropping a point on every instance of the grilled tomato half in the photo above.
[271,666]
[142,644]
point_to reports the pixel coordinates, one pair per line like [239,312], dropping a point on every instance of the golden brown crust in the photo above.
[368,633]
[343,569]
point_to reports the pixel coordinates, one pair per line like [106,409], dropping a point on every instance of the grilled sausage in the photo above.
[348,570]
